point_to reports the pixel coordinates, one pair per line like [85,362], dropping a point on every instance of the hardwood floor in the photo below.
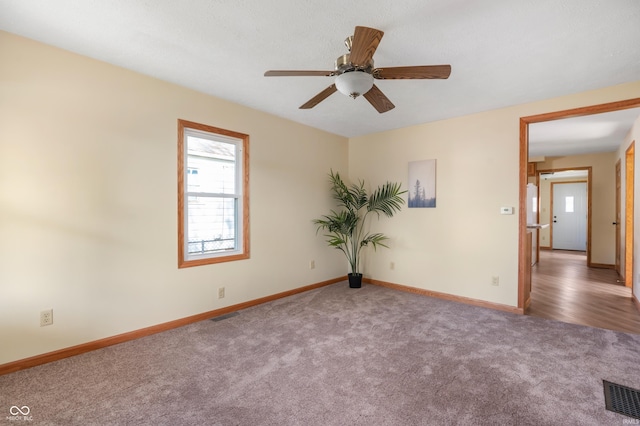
[565,289]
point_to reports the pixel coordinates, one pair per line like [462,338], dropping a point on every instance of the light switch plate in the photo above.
[506,210]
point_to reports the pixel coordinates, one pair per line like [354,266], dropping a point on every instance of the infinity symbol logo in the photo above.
[15,410]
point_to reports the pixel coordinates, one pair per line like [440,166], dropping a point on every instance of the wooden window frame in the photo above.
[243,252]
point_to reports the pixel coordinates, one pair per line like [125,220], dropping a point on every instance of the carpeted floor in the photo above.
[340,356]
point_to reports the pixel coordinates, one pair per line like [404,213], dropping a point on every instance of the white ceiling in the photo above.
[502,52]
[581,135]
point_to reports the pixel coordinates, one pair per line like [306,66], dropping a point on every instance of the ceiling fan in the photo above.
[355,73]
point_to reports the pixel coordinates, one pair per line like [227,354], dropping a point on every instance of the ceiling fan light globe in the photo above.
[354,83]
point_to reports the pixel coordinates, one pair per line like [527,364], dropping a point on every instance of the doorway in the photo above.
[629,215]
[569,216]
[546,179]
[618,212]
[523,268]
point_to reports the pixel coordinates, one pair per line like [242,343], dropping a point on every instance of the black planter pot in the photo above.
[355,280]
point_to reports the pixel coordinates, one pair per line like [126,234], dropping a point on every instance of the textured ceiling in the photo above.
[581,135]
[502,52]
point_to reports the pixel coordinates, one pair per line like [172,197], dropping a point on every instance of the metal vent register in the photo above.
[224,317]
[621,399]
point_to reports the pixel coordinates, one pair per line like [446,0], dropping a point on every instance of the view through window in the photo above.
[213,201]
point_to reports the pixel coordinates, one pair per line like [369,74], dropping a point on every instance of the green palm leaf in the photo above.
[344,229]
[375,240]
[386,199]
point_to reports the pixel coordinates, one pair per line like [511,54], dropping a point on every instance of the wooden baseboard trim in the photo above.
[23,364]
[602,266]
[545,248]
[445,296]
[635,301]
[132,335]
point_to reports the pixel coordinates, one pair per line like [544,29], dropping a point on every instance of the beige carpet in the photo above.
[340,356]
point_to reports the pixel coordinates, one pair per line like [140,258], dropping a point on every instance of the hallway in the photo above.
[565,289]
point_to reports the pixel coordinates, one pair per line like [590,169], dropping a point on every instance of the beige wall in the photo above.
[603,199]
[88,201]
[459,246]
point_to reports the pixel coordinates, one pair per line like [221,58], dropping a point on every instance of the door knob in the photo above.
[615,223]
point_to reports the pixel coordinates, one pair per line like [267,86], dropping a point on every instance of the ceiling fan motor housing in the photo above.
[343,64]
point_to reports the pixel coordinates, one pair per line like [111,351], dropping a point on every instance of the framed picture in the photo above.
[422,184]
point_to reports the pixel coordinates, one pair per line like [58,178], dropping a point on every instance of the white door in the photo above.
[569,222]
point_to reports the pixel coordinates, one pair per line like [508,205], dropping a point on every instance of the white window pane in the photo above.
[211,225]
[214,163]
[213,175]
[568,202]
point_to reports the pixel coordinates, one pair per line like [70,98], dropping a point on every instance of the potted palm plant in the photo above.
[345,229]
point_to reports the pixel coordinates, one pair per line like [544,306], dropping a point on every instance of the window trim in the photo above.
[244,252]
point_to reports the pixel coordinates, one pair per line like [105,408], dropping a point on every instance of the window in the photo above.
[568,204]
[213,195]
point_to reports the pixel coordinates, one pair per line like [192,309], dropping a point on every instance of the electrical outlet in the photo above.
[392,265]
[312,264]
[46,317]
[495,281]
[221,293]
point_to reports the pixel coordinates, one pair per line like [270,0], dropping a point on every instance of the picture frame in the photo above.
[422,184]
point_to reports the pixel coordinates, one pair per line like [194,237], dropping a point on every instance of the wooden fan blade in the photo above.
[319,97]
[378,99]
[293,73]
[416,72]
[364,45]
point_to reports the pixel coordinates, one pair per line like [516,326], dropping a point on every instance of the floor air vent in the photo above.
[621,399]
[224,317]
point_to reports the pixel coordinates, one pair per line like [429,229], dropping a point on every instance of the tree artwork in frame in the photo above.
[422,184]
